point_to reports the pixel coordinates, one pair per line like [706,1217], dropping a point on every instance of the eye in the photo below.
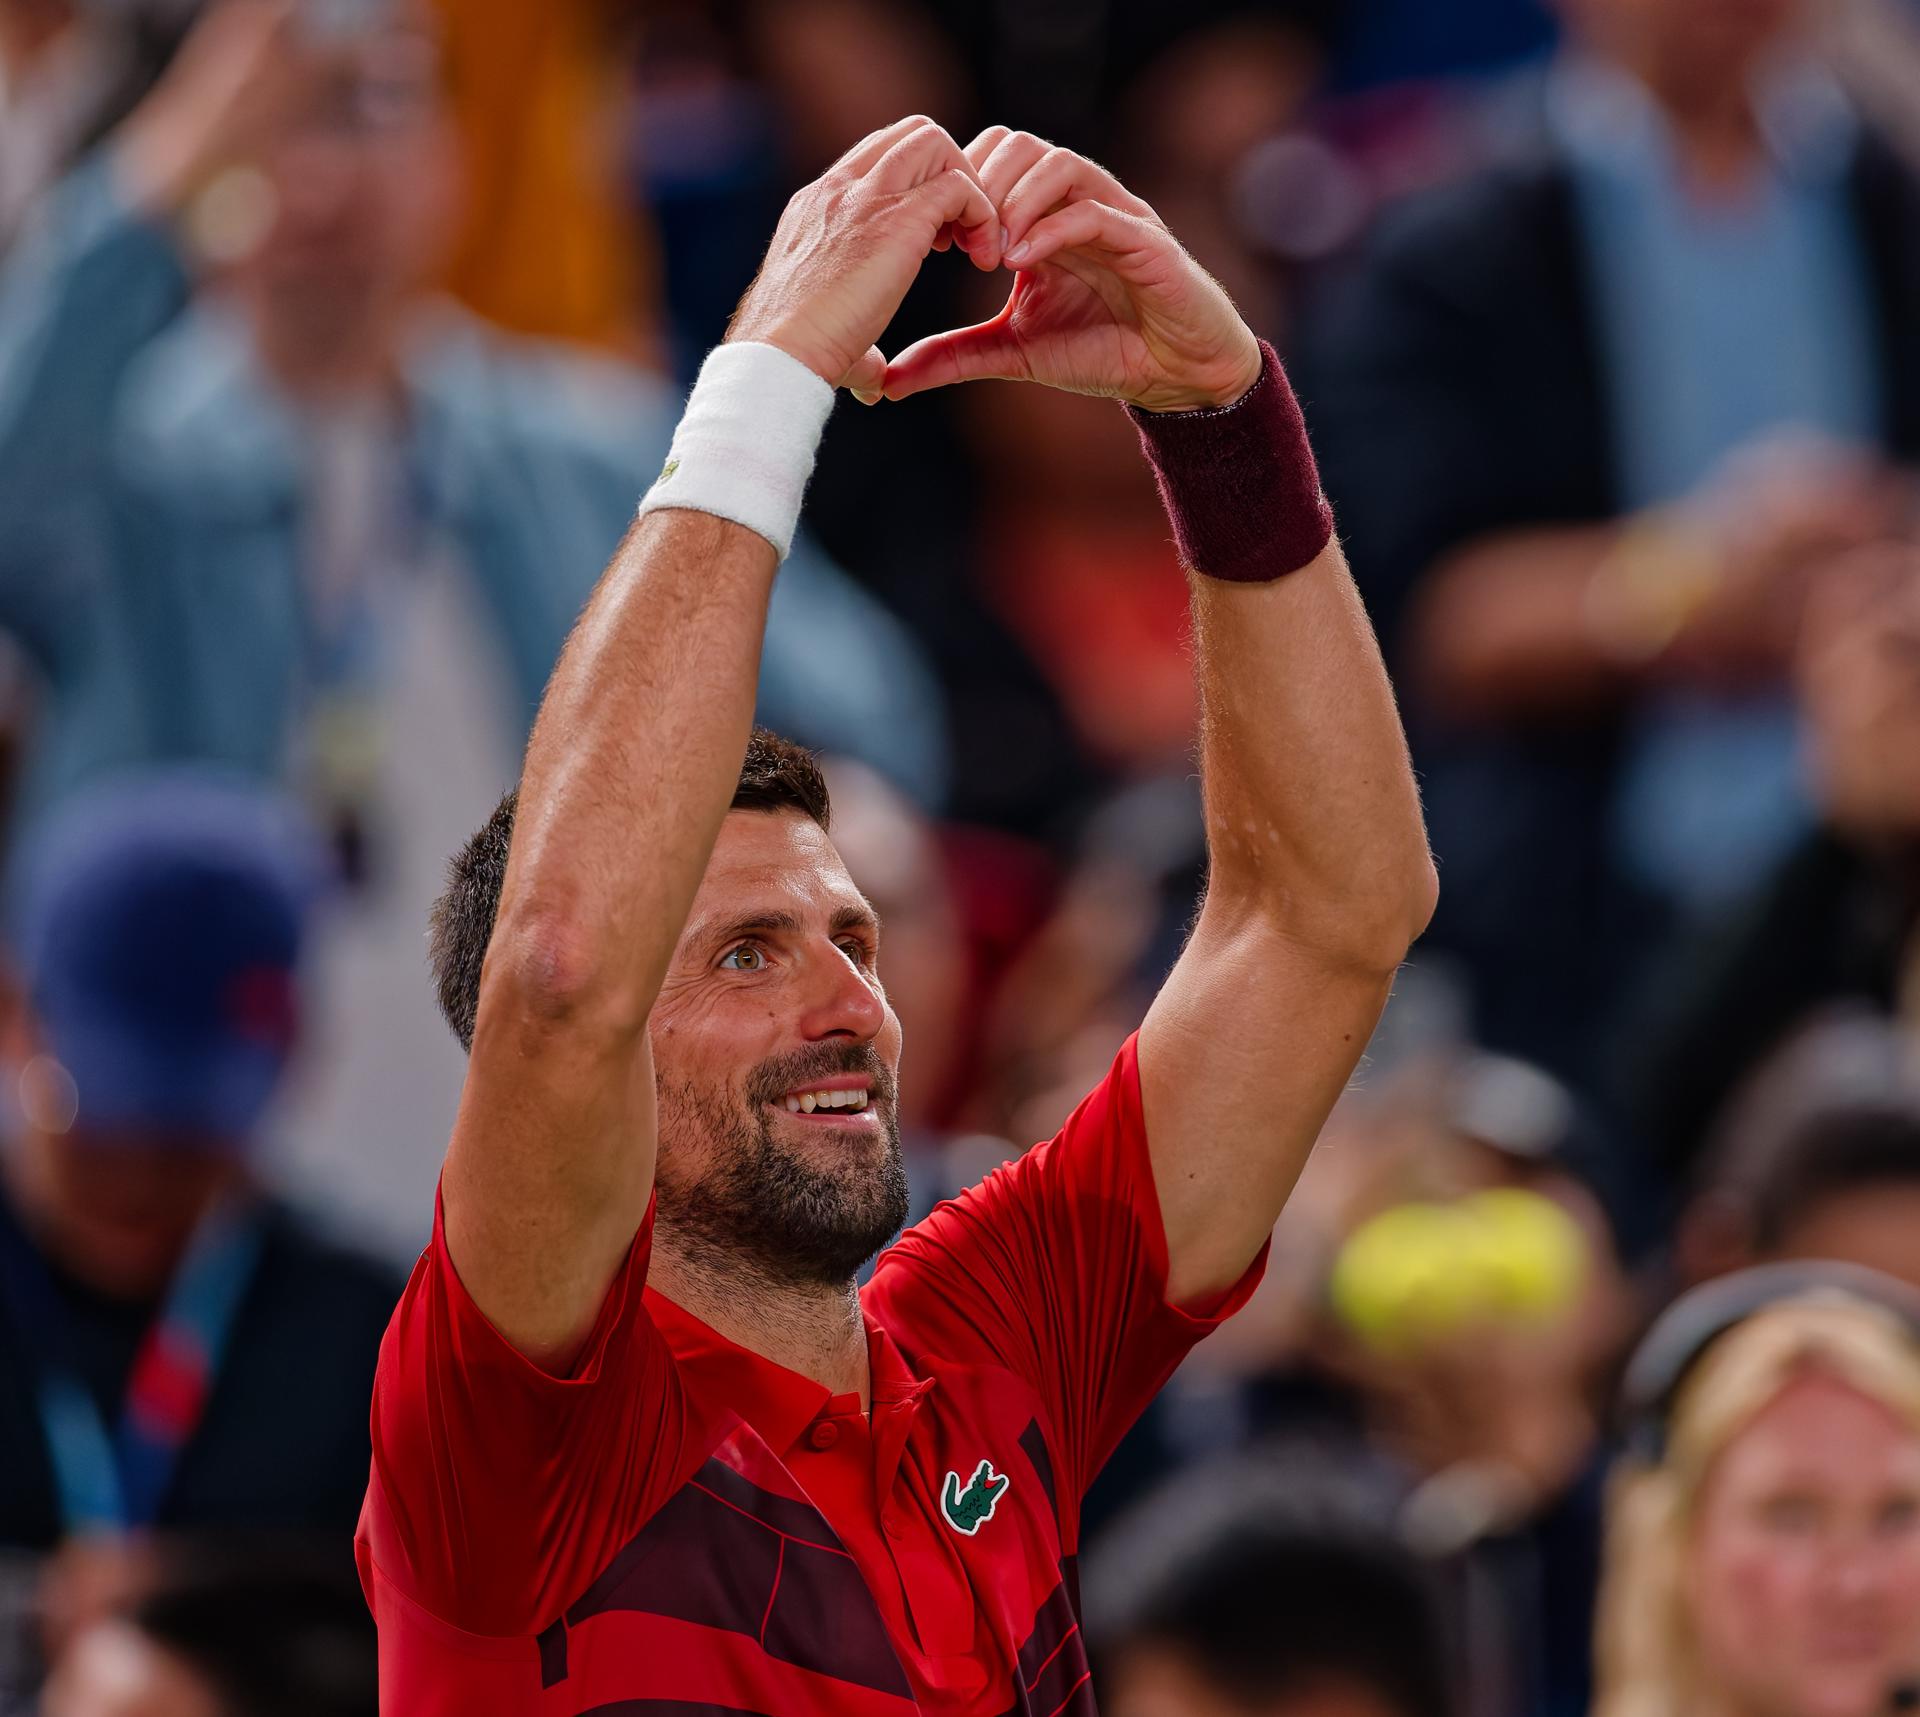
[745,957]
[1899,1515]
[856,949]
[1791,1514]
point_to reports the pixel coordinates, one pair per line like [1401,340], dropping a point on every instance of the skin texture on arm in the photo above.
[1319,882]
[1320,872]
[628,775]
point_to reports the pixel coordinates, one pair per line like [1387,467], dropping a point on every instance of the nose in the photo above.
[841,1000]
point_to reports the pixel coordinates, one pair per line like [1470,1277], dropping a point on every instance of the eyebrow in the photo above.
[844,918]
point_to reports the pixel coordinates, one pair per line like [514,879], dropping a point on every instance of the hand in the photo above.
[1104,301]
[244,74]
[1859,685]
[849,245]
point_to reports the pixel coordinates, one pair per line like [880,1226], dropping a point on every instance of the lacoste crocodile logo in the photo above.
[970,1507]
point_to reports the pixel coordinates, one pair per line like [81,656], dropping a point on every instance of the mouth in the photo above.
[838,1102]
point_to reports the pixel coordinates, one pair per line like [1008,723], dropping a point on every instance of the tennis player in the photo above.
[640,1446]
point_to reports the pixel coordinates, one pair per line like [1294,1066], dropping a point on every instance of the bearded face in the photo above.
[775,1056]
[738,1180]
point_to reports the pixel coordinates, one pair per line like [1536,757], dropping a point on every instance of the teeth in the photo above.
[807,1101]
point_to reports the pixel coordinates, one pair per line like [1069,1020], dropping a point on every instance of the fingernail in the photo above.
[1003,240]
[1019,252]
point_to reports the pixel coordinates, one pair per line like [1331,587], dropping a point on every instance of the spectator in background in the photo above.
[1264,1589]
[324,528]
[1818,1157]
[1600,416]
[1764,1528]
[227,1629]
[179,1347]
[1836,923]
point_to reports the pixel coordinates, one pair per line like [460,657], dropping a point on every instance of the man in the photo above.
[1269,1587]
[322,527]
[638,1442]
[179,1347]
[1601,415]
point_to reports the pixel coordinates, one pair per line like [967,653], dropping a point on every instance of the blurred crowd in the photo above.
[337,341]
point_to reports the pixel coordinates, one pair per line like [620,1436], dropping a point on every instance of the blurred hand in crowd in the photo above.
[307,151]
[247,69]
[1775,522]
[1859,682]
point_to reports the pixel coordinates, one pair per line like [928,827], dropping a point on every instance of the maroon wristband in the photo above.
[1239,482]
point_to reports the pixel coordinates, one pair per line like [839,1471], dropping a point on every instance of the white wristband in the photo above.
[744,449]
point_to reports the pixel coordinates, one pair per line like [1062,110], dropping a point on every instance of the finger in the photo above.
[1088,225]
[984,352]
[985,144]
[919,154]
[1060,177]
[1008,161]
[867,380]
[955,196]
[861,157]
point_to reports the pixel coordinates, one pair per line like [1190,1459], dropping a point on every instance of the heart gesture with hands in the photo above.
[1105,301]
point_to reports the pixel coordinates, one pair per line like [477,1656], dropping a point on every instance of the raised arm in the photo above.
[635,753]
[1320,876]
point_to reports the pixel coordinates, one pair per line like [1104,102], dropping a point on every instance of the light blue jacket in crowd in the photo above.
[150,499]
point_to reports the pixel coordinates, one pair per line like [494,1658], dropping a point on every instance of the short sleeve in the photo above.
[498,1490]
[1055,1267]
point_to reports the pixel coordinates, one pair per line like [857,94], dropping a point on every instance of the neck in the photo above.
[315,364]
[1716,132]
[815,1331]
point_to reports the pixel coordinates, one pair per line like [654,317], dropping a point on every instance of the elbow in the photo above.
[547,973]
[1374,931]
[1363,924]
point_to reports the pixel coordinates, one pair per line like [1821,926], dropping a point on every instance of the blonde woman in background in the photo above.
[1763,1555]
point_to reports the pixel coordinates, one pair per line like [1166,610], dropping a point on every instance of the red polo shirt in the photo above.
[681,1528]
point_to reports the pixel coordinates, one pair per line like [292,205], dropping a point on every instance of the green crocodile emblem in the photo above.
[970,1507]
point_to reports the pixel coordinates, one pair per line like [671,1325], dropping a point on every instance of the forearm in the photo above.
[1312,816]
[633,758]
[1313,819]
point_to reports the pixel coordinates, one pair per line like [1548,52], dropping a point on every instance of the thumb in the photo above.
[985,352]
[867,380]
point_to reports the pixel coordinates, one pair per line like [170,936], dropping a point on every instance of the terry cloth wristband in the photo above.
[1238,481]
[744,449]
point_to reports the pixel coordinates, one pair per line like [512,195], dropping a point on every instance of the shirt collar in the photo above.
[779,1404]
[1606,118]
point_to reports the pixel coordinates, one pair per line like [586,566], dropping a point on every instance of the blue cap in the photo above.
[158,922]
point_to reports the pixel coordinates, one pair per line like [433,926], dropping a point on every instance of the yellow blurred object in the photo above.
[1420,1272]
[550,244]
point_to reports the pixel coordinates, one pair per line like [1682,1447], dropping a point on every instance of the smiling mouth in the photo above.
[829,1105]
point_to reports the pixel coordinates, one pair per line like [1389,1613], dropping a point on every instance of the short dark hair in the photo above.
[274,1626]
[1274,1576]
[776,775]
[1834,1111]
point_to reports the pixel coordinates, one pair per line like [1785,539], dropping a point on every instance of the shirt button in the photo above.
[824,1434]
[893,1523]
